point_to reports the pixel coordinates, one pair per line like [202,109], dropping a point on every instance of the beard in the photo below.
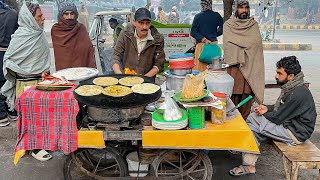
[282,82]
[243,15]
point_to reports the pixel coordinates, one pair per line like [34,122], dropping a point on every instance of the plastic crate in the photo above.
[196,116]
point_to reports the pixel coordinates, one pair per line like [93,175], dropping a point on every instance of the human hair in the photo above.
[113,20]
[160,8]
[290,64]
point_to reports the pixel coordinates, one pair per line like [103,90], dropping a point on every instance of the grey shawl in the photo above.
[27,54]
[295,82]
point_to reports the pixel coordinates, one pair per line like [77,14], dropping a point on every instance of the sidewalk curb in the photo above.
[291,27]
[288,46]
[284,46]
[9,132]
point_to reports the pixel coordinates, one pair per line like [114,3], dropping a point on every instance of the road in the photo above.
[302,36]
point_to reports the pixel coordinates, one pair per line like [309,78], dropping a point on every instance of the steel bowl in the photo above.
[181,72]
[174,82]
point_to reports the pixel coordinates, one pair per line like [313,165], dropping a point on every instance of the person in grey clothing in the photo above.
[291,119]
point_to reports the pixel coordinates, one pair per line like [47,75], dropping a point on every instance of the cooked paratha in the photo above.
[145,88]
[105,81]
[116,91]
[89,90]
[131,80]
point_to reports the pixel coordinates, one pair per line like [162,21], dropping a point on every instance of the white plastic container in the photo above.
[219,81]
[133,165]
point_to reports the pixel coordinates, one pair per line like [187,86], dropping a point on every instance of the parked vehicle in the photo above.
[101,36]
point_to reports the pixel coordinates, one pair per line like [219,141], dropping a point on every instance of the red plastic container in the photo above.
[181,64]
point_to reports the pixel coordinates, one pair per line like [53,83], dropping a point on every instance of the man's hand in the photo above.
[116,69]
[206,41]
[261,109]
[152,72]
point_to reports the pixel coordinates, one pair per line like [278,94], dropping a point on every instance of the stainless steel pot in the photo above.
[174,82]
[181,72]
[114,115]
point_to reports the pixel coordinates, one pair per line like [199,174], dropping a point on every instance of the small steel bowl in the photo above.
[181,72]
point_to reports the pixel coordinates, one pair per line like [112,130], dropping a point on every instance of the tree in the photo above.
[227,8]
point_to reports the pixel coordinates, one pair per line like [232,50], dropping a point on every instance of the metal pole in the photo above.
[274,18]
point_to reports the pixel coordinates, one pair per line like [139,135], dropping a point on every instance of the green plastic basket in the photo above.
[196,116]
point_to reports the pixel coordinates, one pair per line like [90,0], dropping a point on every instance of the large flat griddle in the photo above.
[109,102]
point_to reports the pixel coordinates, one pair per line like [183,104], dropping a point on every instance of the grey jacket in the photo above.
[126,51]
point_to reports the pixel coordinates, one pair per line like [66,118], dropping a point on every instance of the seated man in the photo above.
[70,39]
[291,119]
[117,27]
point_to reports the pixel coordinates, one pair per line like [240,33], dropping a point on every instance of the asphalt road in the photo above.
[300,36]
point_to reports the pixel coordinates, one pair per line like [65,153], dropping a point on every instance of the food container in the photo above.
[219,116]
[181,72]
[181,64]
[178,56]
[219,81]
[174,82]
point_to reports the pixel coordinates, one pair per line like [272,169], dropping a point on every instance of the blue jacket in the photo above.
[207,24]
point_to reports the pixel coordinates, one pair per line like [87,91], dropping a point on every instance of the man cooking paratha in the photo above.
[139,49]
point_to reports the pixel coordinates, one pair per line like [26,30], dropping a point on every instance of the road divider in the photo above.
[291,27]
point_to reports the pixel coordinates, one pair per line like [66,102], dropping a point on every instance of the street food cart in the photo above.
[116,127]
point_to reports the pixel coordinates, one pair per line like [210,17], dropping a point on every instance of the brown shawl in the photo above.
[242,44]
[72,45]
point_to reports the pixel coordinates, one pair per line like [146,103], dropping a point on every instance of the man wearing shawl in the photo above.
[174,16]
[71,42]
[243,51]
[207,25]
[8,25]
[162,18]
[290,120]
[84,15]
[26,58]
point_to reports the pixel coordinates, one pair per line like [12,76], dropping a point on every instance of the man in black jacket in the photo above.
[8,25]
[207,25]
[291,119]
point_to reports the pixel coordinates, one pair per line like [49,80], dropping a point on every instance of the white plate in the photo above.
[77,74]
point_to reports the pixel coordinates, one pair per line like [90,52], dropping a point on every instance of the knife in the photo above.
[240,104]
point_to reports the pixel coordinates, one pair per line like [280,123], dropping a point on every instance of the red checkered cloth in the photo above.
[47,120]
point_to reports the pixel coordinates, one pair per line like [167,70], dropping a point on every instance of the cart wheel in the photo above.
[94,164]
[182,164]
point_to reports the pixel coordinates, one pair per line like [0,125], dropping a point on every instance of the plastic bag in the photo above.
[193,86]
[172,111]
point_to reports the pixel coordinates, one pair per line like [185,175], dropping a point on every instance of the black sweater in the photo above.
[207,24]
[8,25]
[297,113]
